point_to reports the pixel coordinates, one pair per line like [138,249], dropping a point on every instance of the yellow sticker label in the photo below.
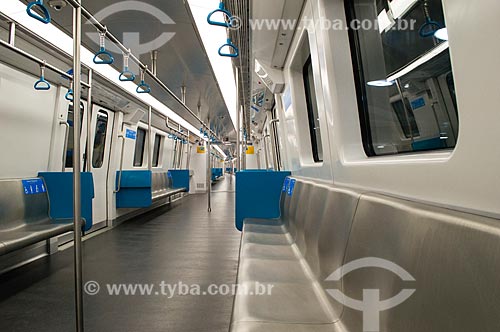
[251,150]
[201,150]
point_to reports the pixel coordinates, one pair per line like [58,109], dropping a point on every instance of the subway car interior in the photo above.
[249,165]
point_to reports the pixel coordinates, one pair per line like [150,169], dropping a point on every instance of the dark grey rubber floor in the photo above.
[225,184]
[184,244]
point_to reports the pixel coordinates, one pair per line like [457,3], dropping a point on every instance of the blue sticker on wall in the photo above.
[34,186]
[418,103]
[285,184]
[129,133]
[291,187]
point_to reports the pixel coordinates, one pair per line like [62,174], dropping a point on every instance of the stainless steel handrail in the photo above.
[77,188]
[143,66]
[40,61]
[122,153]
[66,137]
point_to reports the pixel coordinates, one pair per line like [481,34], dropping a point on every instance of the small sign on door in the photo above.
[131,134]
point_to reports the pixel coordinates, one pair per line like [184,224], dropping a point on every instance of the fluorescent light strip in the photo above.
[420,61]
[221,152]
[16,10]
[212,38]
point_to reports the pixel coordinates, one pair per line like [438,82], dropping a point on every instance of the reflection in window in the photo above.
[402,73]
[312,112]
[406,119]
[71,144]
[156,151]
[139,147]
[100,139]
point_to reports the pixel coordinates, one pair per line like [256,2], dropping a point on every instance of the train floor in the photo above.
[163,251]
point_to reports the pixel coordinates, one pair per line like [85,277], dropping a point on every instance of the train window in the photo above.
[101,130]
[312,112]
[139,147]
[157,150]
[70,143]
[402,67]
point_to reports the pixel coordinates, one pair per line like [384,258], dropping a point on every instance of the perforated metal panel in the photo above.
[241,38]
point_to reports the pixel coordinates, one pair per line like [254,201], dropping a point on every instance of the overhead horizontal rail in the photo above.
[178,131]
[40,61]
[102,28]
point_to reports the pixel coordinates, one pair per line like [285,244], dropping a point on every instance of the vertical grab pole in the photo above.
[238,140]
[181,154]
[89,121]
[154,62]
[272,125]
[190,150]
[174,162]
[264,140]
[150,136]
[209,171]
[77,208]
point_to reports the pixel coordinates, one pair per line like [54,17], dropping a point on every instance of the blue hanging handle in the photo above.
[45,18]
[143,87]
[103,57]
[222,9]
[236,51]
[69,95]
[42,84]
[126,75]
[429,28]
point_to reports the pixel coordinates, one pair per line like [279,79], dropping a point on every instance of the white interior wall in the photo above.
[467,178]
[294,122]
[199,168]
[26,124]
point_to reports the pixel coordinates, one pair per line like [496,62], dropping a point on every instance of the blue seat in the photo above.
[140,189]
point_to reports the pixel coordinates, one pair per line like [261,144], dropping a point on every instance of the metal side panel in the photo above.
[452,256]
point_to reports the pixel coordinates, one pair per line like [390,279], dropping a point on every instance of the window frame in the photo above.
[157,150]
[361,95]
[103,153]
[140,150]
[313,131]
[359,78]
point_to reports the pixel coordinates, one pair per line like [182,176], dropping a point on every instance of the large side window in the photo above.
[101,130]
[402,67]
[157,150]
[312,112]
[139,147]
